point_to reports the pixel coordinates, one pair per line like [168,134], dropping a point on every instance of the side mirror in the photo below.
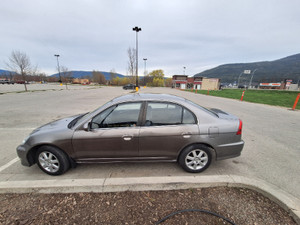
[87,126]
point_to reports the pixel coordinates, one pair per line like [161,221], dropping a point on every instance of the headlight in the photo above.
[24,141]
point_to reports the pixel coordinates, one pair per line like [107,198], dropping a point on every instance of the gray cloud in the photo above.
[198,34]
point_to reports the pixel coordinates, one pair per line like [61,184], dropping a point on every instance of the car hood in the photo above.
[55,125]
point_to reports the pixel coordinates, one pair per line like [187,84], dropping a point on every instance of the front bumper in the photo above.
[231,150]
[22,151]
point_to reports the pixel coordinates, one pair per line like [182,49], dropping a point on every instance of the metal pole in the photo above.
[252,77]
[184,70]
[58,68]
[239,79]
[137,61]
[145,60]
[137,29]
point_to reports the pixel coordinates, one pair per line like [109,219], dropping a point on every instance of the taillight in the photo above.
[239,132]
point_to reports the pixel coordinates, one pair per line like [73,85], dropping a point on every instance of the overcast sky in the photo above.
[200,34]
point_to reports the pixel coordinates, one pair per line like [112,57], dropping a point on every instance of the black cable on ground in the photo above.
[195,210]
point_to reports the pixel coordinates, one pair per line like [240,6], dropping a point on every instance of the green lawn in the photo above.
[269,97]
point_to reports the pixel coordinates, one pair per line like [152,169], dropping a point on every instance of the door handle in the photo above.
[187,135]
[127,137]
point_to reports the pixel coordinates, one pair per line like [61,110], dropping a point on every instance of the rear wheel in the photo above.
[52,160]
[195,158]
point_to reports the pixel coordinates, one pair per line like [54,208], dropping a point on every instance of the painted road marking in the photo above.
[8,164]
[1,128]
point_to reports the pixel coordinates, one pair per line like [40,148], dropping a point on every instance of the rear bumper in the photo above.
[227,151]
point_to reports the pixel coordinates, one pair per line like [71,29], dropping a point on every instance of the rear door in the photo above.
[167,129]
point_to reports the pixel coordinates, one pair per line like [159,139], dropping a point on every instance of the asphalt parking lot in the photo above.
[271,134]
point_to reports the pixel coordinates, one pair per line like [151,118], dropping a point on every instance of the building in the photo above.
[80,81]
[198,83]
[179,81]
[210,84]
[282,85]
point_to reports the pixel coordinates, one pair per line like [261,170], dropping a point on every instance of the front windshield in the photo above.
[91,113]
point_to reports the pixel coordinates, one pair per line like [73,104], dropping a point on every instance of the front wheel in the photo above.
[195,158]
[52,160]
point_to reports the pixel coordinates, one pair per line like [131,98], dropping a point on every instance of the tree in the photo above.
[112,74]
[66,75]
[98,77]
[20,63]
[168,82]
[155,78]
[131,63]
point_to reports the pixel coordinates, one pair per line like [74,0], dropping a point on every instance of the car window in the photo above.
[165,113]
[122,115]
[188,117]
[202,108]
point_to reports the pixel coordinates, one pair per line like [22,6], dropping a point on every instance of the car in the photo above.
[6,82]
[130,86]
[136,128]
[243,86]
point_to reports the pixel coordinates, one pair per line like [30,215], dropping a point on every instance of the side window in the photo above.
[188,117]
[122,115]
[159,114]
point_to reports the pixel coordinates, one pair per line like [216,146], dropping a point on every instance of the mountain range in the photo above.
[82,74]
[266,71]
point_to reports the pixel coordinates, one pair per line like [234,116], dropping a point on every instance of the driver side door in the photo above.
[113,134]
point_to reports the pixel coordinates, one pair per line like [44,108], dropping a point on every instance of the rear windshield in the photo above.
[202,108]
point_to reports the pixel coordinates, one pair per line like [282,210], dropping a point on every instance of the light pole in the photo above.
[145,60]
[239,79]
[252,77]
[60,81]
[184,70]
[137,29]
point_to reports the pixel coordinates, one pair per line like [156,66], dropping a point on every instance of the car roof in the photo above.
[148,97]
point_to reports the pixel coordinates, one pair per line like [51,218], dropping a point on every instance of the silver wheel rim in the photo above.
[196,159]
[49,162]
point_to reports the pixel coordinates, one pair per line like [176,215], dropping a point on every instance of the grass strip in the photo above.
[269,97]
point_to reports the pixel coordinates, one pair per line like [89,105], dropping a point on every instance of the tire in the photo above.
[52,160]
[195,158]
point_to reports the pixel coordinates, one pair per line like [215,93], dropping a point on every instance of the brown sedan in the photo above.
[136,127]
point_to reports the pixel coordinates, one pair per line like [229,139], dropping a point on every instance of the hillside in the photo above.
[267,71]
[4,72]
[82,74]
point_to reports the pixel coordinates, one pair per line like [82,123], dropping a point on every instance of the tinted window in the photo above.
[159,114]
[122,115]
[188,117]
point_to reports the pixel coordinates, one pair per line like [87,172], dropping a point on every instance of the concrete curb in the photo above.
[288,202]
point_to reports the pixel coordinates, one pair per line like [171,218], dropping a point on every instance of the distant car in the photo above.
[6,82]
[243,86]
[136,127]
[130,86]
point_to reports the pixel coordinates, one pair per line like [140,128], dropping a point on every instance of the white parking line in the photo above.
[28,128]
[8,164]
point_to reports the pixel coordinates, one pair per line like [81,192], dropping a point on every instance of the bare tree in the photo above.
[112,74]
[20,63]
[98,77]
[131,63]
[66,75]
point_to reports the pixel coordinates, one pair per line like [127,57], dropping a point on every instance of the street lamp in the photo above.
[184,70]
[239,79]
[60,81]
[137,29]
[252,77]
[145,60]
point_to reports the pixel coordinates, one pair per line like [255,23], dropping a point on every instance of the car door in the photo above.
[168,127]
[113,134]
